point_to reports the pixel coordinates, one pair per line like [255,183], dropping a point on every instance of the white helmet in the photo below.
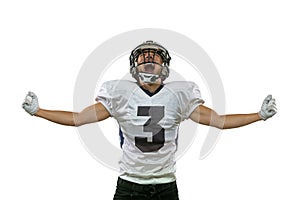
[144,48]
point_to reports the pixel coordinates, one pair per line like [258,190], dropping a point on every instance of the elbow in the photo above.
[76,120]
[77,125]
[220,122]
[221,126]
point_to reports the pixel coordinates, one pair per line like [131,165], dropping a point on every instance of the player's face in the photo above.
[149,58]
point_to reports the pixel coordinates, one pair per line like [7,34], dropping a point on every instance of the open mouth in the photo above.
[149,67]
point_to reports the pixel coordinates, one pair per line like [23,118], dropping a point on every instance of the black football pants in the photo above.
[132,191]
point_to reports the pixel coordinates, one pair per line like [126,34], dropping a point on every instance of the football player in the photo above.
[149,113]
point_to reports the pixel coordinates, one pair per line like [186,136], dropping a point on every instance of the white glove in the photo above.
[268,108]
[31,103]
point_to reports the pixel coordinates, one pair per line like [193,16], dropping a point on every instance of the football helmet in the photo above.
[147,48]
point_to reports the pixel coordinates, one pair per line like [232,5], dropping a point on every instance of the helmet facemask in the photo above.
[145,64]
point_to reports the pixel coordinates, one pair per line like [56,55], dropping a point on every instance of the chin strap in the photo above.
[148,78]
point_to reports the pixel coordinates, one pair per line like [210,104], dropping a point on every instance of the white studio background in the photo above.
[253,44]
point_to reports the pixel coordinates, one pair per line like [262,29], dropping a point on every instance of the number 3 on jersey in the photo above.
[156,113]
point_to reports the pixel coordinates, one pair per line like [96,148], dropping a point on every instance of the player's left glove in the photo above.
[268,108]
[31,103]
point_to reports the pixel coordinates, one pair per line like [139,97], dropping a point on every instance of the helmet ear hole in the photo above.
[164,72]
[133,71]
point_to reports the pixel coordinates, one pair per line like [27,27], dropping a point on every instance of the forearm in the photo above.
[206,116]
[60,117]
[237,120]
[90,114]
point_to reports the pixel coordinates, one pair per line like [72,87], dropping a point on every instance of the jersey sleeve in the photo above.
[105,96]
[190,99]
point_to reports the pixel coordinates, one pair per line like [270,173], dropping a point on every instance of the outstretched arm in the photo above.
[93,113]
[207,116]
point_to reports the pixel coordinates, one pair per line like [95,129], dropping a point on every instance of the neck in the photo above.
[151,87]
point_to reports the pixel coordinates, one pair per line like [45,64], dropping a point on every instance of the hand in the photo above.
[31,103]
[268,108]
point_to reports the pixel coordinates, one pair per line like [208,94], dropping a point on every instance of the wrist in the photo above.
[262,115]
[259,115]
[37,112]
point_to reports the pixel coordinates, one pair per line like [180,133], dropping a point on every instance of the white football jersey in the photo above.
[149,125]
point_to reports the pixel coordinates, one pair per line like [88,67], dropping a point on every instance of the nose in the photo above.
[148,56]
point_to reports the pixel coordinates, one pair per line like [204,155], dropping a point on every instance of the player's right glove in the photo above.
[268,108]
[31,103]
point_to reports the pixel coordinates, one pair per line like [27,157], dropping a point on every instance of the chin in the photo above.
[158,82]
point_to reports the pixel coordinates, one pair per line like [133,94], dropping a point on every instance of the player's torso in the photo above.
[150,127]
[148,121]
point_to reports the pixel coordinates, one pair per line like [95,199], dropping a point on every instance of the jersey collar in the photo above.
[150,93]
